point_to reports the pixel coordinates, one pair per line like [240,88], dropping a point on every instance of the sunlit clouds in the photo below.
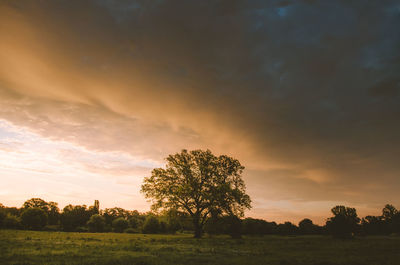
[32,165]
[94,94]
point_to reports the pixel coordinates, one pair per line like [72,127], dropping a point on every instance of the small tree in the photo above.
[34,218]
[96,223]
[198,182]
[120,224]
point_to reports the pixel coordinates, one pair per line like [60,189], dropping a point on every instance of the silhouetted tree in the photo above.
[96,223]
[34,218]
[307,227]
[388,212]
[344,223]
[228,225]
[50,208]
[36,203]
[198,182]
[287,228]
[253,226]
[110,214]
[374,225]
[73,217]
[120,224]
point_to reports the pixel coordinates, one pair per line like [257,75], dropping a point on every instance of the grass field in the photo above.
[28,247]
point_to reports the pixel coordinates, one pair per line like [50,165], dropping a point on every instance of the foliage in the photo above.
[12,222]
[50,208]
[34,218]
[96,223]
[253,226]
[307,227]
[344,223]
[110,214]
[130,230]
[73,217]
[120,224]
[2,217]
[151,225]
[287,228]
[374,225]
[389,212]
[198,182]
[228,224]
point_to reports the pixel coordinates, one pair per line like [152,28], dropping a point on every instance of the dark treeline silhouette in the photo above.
[37,214]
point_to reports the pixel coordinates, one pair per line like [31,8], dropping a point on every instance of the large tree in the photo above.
[198,183]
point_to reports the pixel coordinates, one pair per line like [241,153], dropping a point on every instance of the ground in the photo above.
[28,247]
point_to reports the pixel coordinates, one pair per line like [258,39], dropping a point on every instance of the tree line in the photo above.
[37,214]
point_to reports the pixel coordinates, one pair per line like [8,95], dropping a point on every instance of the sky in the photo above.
[305,94]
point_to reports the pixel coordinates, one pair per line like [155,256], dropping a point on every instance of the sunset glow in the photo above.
[95,95]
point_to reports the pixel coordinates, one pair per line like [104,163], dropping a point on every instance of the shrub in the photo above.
[136,222]
[81,229]
[51,228]
[130,231]
[151,225]
[12,222]
[120,224]
[34,218]
[230,225]
[2,217]
[74,216]
[96,223]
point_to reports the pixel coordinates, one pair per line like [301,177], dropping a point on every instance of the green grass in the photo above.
[28,247]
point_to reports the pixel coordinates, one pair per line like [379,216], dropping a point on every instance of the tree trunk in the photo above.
[198,230]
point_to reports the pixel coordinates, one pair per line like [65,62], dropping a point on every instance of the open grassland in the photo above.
[28,247]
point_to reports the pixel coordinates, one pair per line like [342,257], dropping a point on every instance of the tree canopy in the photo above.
[199,183]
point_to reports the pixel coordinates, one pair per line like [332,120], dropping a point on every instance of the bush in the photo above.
[253,226]
[130,231]
[96,223]
[136,222]
[151,225]
[120,224]
[287,228]
[51,228]
[81,229]
[74,216]
[163,227]
[2,217]
[11,222]
[34,218]
[230,225]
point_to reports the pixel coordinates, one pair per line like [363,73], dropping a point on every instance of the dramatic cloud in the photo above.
[304,93]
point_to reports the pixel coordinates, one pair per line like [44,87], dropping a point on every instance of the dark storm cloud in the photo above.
[311,88]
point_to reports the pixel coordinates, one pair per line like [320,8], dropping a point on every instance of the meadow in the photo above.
[31,247]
